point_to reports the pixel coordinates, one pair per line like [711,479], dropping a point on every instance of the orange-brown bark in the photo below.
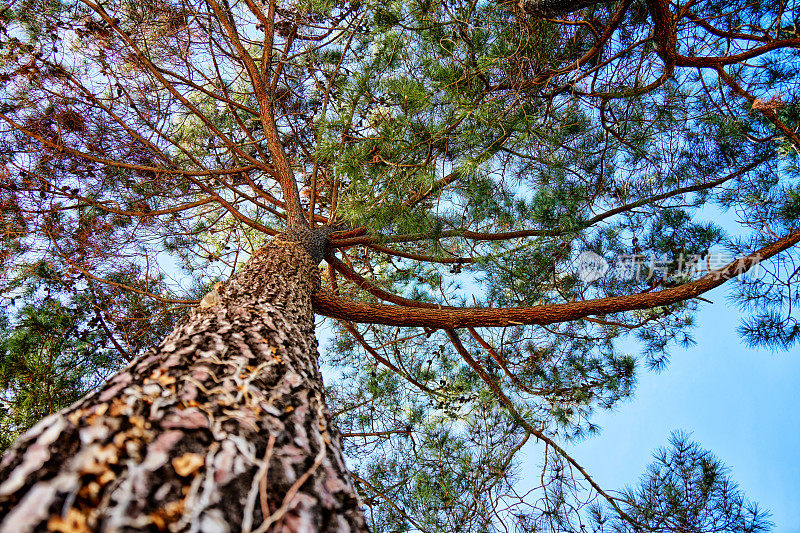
[327,304]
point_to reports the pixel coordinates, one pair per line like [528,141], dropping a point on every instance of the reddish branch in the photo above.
[420,257]
[665,36]
[768,113]
[373,289]
[264,95]
[345,234]
[664,33]
[345,240]
[467,234]
[400,315]
[716,62]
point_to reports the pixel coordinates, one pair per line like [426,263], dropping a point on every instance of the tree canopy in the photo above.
[514,191]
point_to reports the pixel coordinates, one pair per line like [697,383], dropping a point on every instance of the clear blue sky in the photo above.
[742,404]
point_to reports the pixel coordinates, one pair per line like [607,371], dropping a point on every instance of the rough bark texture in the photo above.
[223,427]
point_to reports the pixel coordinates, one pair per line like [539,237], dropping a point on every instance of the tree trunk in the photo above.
[223,427]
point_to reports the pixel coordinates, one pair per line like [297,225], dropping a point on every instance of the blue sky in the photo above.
[742,404]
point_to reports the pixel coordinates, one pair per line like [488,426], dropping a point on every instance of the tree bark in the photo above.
[223,427]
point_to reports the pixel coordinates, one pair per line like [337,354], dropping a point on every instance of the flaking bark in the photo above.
[223,427]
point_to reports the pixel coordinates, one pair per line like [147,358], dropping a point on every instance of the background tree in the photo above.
[468,152]
[51,355]
[685,489]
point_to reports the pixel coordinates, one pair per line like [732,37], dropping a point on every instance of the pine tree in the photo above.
[468,171]
[51,355]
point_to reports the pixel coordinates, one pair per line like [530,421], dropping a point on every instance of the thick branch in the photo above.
[263,94]
[329,305]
